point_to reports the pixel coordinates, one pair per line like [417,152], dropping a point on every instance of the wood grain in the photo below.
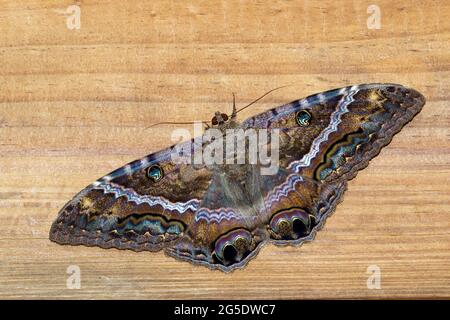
[76,104]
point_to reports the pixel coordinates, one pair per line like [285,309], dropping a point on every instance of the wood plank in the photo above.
[76,104]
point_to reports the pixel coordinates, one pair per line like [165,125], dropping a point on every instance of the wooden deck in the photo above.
[76,103]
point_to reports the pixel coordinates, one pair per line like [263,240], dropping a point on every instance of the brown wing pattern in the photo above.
[219,216]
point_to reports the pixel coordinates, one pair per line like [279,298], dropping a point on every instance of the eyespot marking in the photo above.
[303,118]
[291,224]
[233,247]
[155,173]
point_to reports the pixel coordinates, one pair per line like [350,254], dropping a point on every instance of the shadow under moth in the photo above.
[219,215]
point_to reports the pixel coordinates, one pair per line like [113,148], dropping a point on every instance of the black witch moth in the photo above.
[220,215]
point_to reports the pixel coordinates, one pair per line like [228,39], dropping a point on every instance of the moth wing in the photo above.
[129,209]
[193,213]
[230,224]
[324,140]
[213,218]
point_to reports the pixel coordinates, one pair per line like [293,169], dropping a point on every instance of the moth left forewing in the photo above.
[131,209]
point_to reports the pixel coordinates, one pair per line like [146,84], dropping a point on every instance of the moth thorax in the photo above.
[219,118]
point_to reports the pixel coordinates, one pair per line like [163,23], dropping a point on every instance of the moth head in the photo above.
[219,119]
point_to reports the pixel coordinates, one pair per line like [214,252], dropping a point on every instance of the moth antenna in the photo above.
[169,122]
[265,94]
[233,114]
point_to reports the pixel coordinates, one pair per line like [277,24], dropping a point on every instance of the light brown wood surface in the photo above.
[76,104]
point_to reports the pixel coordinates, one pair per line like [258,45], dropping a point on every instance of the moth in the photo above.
[220,215]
